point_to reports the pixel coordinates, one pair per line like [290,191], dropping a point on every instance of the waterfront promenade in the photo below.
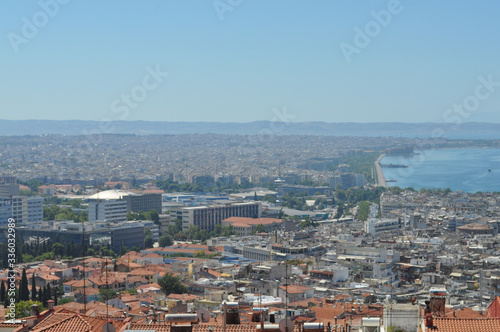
[380,174]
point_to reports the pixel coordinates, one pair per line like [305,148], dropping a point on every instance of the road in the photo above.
[380,174]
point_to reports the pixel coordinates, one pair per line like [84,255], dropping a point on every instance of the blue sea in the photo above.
[470,170]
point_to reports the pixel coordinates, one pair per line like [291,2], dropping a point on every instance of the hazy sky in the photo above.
[238,60]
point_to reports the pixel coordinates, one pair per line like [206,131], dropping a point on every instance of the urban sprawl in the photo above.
[189,233]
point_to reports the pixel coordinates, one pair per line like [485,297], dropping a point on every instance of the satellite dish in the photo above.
[108,327]
[286,325]
[203,315]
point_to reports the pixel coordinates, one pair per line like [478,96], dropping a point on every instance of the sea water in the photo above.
[470,170]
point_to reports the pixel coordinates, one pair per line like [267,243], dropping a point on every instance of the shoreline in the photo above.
[470,169]
[380,174]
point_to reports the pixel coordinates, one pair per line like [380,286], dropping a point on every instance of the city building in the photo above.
[27,209]
[143,202]
[246,226]
[378,226]
[9,189]
[117,235]
[134,202]
[5,210]
[107,210]
[207,216]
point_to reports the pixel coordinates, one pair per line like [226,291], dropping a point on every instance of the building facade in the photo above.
[27,209]
[206,217]
[114,210]
[144,202]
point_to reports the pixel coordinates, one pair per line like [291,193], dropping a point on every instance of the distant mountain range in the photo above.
[467,130]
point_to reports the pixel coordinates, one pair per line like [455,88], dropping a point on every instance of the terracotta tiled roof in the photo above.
[465,325]
[70,306]
[305,303]
[209,327]
[494,308]
[88,291]
[214,273]
[48,277]
[321,272]
[467,313]
[63,322]
[293,289]
[184,297]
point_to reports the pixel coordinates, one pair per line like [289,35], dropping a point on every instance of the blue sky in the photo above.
[238,60]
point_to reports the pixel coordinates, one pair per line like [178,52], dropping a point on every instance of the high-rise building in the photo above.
[135,202]
[8,186]
[348,180]
[27,209]
[114,210]
[5,210]
[144,202]
[8,179]
[35,209]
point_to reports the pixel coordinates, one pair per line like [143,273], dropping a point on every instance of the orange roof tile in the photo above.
[465,325]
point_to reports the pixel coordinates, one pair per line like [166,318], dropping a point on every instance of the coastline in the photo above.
[380,173]
[467,169]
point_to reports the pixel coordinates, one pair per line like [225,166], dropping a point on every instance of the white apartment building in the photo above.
[113,210]
[27,209]
[378,226]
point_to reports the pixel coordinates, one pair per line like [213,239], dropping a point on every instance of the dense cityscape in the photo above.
[145,231]
[249,166]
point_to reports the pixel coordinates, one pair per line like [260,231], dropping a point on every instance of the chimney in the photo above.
[224,318]
[34,310]
[50,304]
[429,321]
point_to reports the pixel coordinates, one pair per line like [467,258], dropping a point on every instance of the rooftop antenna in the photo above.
[83,265]
[107,287]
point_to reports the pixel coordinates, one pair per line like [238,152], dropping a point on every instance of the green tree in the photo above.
[191,231]
[34,184]
[65,300]
[180,236]
[340,211]
[171,284]
[2,292]
[47,295]
[363,210]
[228,231]
[40,294]
[23,308]
[200,254]
[260,228]
[106,294]
[33,287]
[55,296]
[165,240]
[148,242]
[24,293]
[154,216]
[58,249]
